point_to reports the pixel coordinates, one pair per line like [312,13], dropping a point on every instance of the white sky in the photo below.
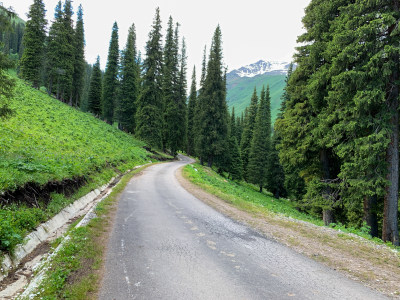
[251,29]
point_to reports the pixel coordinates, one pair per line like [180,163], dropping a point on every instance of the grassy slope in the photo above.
[242,194]
[246,196]
[240,91]
[47,140]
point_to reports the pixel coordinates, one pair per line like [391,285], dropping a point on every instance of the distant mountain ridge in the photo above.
[260,68]
[241,83]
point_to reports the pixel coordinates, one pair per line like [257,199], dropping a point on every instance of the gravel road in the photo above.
[166,244]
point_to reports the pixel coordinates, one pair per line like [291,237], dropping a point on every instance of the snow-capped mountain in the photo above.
[262,67]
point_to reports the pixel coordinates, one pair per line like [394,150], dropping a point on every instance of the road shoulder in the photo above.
[375,266]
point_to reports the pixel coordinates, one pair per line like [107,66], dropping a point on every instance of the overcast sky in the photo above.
[251,29]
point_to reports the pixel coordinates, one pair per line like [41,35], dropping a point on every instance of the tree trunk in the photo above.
[50,87]
[370,216]
[260,188]
[201,161]
[210,161]
[327,213]
[328,217]
[390,230]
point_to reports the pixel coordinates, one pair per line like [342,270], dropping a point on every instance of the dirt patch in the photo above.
[33,194]
[376,266]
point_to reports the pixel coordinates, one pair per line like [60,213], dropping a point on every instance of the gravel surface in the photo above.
[167,244]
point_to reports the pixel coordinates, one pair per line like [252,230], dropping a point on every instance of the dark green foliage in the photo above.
[191,114]
[285,97]
[198,108]
[339,129]
[95,90]
[60,53]
[259,154]
[31,62]
[149,118]
[213,113]
[235,161]
[174,91]
[129,90]
[7,84]
[276,174]
[248,127]
[110,83]
[79,65]
[181,127]
[86,86]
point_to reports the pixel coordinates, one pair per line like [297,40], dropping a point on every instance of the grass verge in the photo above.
[74,272]
[246,197]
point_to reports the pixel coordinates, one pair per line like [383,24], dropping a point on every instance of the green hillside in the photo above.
[240,90]
[46,140]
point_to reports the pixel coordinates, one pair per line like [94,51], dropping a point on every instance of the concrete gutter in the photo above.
[43,232]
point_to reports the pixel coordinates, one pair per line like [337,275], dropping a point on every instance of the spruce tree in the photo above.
[365,87]
[170,86]
[79,63]
[248,128]
[34,43]
[68,52]
[232,124]
[234,158]
[257,168]
[149,118]
[110,83]
[181,132]
[199,108]
[304,146]
[86,85]
[129,90]
[7,85]
[276,174]
[60,53]
[294,185]
[213,133]
[95,90]
[239,128]
[191,115]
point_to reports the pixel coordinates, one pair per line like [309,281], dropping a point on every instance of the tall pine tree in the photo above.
[199,108]
[170,86]
[149,118]
[257,168]
[191,114]
[60,53]
[129,91]
[7,85]
[95,90]
[248,128]
[213,133]
[34,43]
[79,64]
[110,83]
[234,158]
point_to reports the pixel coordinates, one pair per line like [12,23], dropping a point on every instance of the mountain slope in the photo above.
[241,83]
[46,140]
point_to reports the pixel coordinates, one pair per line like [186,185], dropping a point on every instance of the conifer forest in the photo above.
[333,151]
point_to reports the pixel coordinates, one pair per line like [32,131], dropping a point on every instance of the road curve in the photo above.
[166,244]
